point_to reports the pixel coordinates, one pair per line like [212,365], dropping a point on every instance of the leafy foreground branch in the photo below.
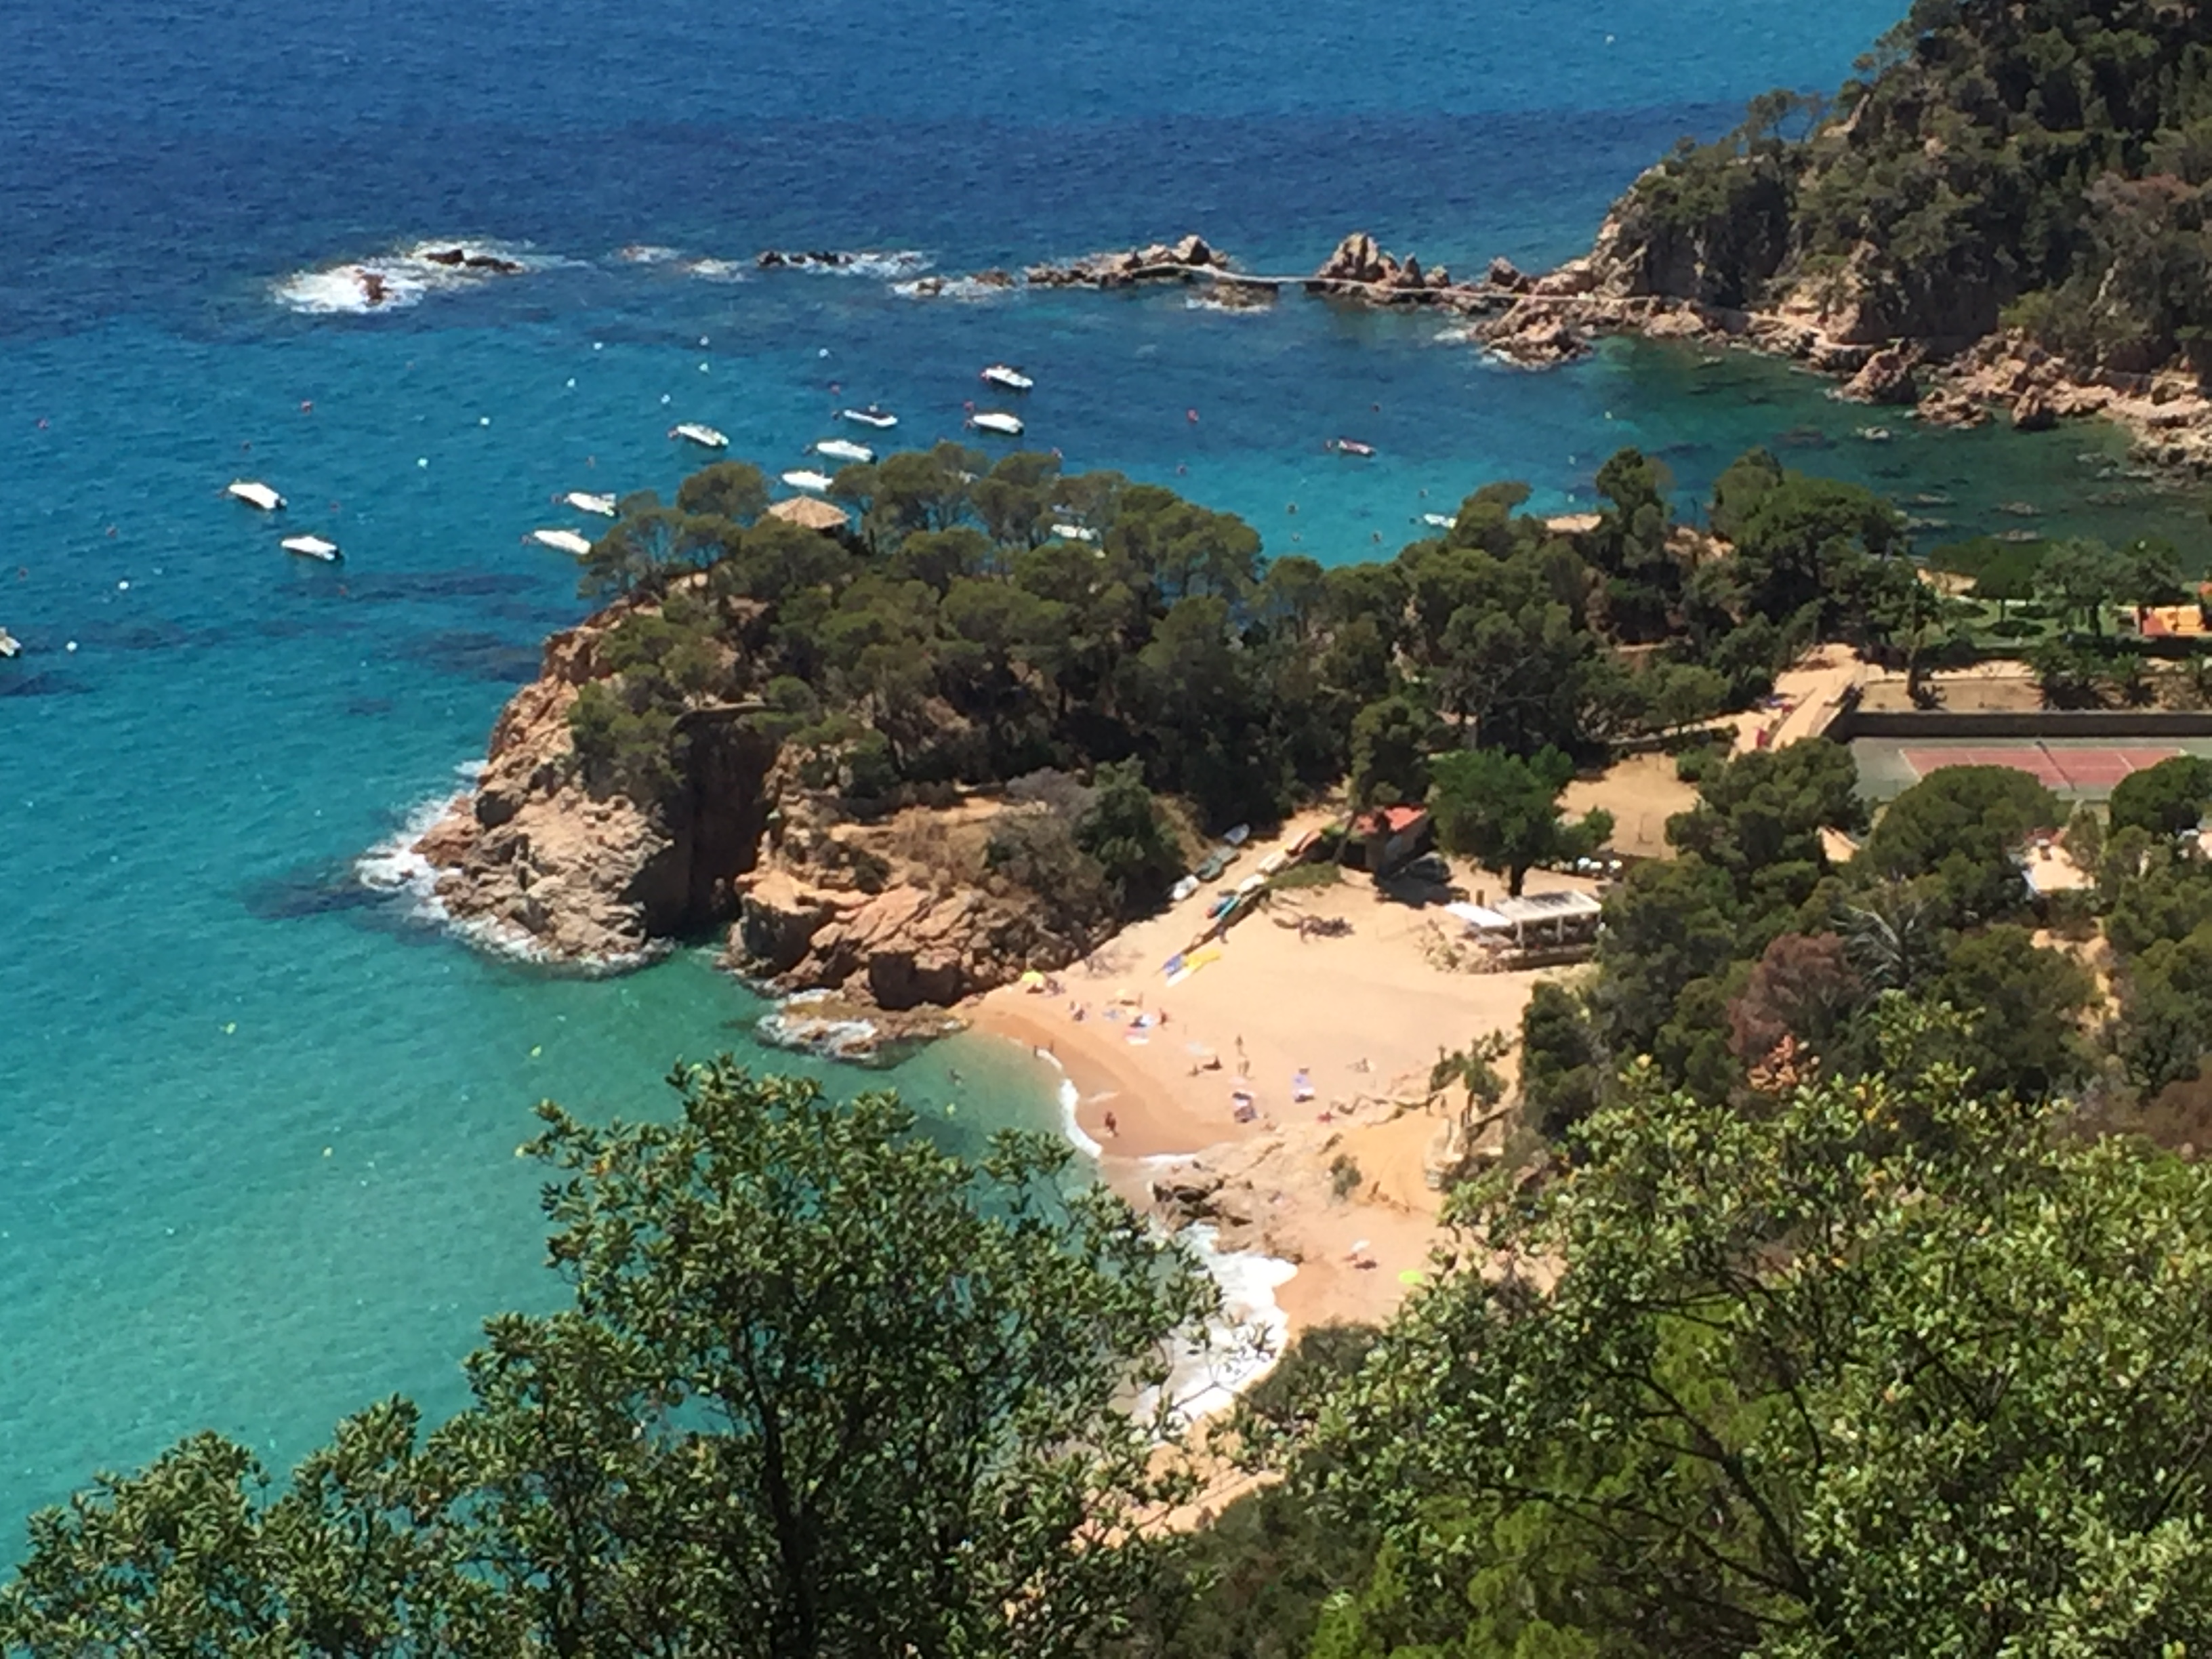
[1891,1367]
[825,1389]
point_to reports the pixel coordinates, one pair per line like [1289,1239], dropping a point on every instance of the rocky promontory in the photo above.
[890,911]
[535,861]
[1950,234]
[1155,261]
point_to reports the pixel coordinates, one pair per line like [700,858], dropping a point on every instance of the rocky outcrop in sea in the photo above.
[891,912]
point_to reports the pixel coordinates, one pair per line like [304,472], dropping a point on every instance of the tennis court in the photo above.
[2074,768]
[2067,769]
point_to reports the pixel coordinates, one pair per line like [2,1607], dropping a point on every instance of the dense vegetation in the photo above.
[1894,1362]
[986,625]
[824,1389]
[2045,163]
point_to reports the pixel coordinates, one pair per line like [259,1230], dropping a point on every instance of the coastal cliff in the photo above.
[2004,214]
[538,860]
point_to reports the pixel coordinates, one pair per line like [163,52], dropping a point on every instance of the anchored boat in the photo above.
[1008,376]
[992,420]
[10,645]
[804,479]
[843,449]
[312,547]
[883,420]
[705,436]
[253,494]
[1351,446]
[562,541]
[583,501]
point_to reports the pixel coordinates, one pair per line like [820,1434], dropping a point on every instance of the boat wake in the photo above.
[403,278]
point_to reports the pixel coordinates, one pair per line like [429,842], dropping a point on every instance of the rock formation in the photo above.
[1155,260]
[1358,269]
[535,861]
[902,913]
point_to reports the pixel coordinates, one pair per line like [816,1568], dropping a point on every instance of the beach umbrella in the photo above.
[1413,1276]
[1031,979]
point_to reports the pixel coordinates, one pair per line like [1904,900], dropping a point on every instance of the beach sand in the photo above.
[1364,1015]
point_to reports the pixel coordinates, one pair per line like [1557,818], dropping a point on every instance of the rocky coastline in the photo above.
[887,919]
[1639,279]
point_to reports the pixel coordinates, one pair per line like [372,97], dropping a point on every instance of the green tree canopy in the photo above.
[2166,799]
[1894,1367]
[1504,810]
[825,1389]
[1961,828]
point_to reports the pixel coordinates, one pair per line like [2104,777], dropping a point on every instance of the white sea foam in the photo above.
[395,281]
[965,289]
[1070,1098]
[393,866]
[1244,1340]
[791,1026]
[714,270]
[862,262]
[646,253]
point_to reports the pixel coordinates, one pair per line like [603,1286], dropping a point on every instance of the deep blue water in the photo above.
[256,1128]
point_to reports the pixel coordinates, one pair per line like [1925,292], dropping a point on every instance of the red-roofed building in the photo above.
[1389,835]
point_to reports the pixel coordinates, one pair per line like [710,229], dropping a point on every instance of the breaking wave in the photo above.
[403,278]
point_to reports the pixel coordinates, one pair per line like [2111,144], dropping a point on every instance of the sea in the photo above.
[258,1110]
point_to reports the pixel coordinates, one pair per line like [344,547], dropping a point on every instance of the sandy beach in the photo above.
[1356,1020]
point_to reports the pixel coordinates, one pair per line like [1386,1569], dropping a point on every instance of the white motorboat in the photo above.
[1350,447]
[1438,520]
[312,547]
[843,449]
[584,502]
[705,436]
[882,420]
[1008,375]
[10,645]
[1074,532]
[817,482]
[562,541]
[992,420]
[253,494]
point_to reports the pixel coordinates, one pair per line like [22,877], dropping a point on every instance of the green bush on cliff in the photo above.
[2045,163]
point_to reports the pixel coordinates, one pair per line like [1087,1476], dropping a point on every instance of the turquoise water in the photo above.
[198,997]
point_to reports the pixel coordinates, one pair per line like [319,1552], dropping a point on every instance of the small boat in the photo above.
[882,420]
[10,645]
[312,547]
[253,494]
[1074,532]
[992,420]
[1006,375]
[817,482]
[1351,446]
[705,436]
[584,501]
[843,449]
[562,541]
[1438,520]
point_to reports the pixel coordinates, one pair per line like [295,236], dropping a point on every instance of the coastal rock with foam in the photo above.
[536,862]
[892,913]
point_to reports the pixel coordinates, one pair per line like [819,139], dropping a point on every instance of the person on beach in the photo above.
[1113,1126]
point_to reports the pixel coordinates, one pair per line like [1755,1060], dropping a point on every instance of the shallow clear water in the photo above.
[196,999]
